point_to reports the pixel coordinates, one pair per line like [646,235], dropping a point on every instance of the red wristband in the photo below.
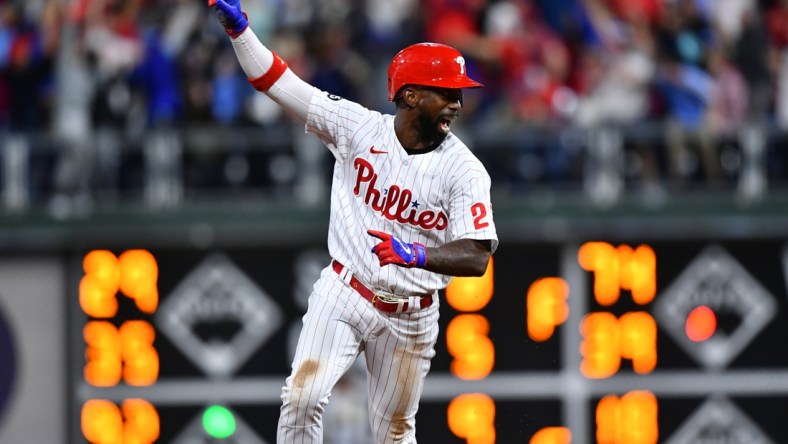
[267,80]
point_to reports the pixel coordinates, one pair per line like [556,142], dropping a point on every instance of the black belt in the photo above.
[382,302]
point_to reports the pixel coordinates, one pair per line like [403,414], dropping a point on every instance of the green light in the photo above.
[218,422]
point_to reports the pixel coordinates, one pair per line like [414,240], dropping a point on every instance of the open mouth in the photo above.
[444,124]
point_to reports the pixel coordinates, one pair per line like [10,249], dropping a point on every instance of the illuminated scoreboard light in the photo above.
[597,342]
[466,335]
[607,340]
[116,353]
[177,346]
[471,416]
[620,344]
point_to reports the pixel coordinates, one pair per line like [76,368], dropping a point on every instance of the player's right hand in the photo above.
[230,16]
[393,250]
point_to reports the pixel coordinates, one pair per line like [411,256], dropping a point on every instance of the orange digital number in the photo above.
[466,335]
[620,268]
[472,417]
[135,273]
[546,307]
[142,424]
[639,340]
[135,422]
[631,419]
[140,358]
[638,269]
[606,340]
[113,353]
[471,293]
[467,342]
[100,284]
[552,435]
[139,274]
[104,366]
[601,345]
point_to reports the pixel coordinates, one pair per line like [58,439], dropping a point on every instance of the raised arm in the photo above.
[266,71]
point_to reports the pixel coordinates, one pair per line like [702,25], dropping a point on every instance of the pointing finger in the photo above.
[379,234]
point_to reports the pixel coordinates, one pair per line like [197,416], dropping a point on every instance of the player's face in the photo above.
[439,107]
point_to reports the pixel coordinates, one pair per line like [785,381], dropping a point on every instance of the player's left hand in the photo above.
[230,16]
[394,250]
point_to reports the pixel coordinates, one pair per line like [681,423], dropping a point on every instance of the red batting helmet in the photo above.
[428,64]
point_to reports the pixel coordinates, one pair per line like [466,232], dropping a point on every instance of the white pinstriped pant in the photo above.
[338,325]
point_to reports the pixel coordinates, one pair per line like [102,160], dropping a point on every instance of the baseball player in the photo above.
[410,208]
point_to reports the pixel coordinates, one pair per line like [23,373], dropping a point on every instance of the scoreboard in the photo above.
[593,341]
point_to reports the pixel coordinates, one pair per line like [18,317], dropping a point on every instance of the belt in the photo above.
[382,302]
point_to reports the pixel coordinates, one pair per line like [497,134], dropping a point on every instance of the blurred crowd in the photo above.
[702,69]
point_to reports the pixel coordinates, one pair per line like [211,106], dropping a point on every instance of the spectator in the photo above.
[534,63]
[684,32]
[617,73]
[335,65]
[114,45]
[230,89]
[158,79]
[648,10]
[728,17]
[125,65]
[777,27]
[26,67]
[729,98]
[687,90]
[751,56]
[457,23]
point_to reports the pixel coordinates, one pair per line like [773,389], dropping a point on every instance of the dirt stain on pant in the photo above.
[408,361]
[306,372]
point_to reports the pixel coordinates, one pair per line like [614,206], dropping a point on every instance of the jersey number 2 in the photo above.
[479,212]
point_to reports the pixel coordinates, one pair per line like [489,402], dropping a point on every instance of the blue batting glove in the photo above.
[394,250]
[230,16]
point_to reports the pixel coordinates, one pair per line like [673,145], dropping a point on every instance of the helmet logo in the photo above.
[461,61]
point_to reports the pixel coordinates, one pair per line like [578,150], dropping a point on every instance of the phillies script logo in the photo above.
[396,205]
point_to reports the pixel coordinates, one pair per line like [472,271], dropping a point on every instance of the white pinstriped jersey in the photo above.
[432,197]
